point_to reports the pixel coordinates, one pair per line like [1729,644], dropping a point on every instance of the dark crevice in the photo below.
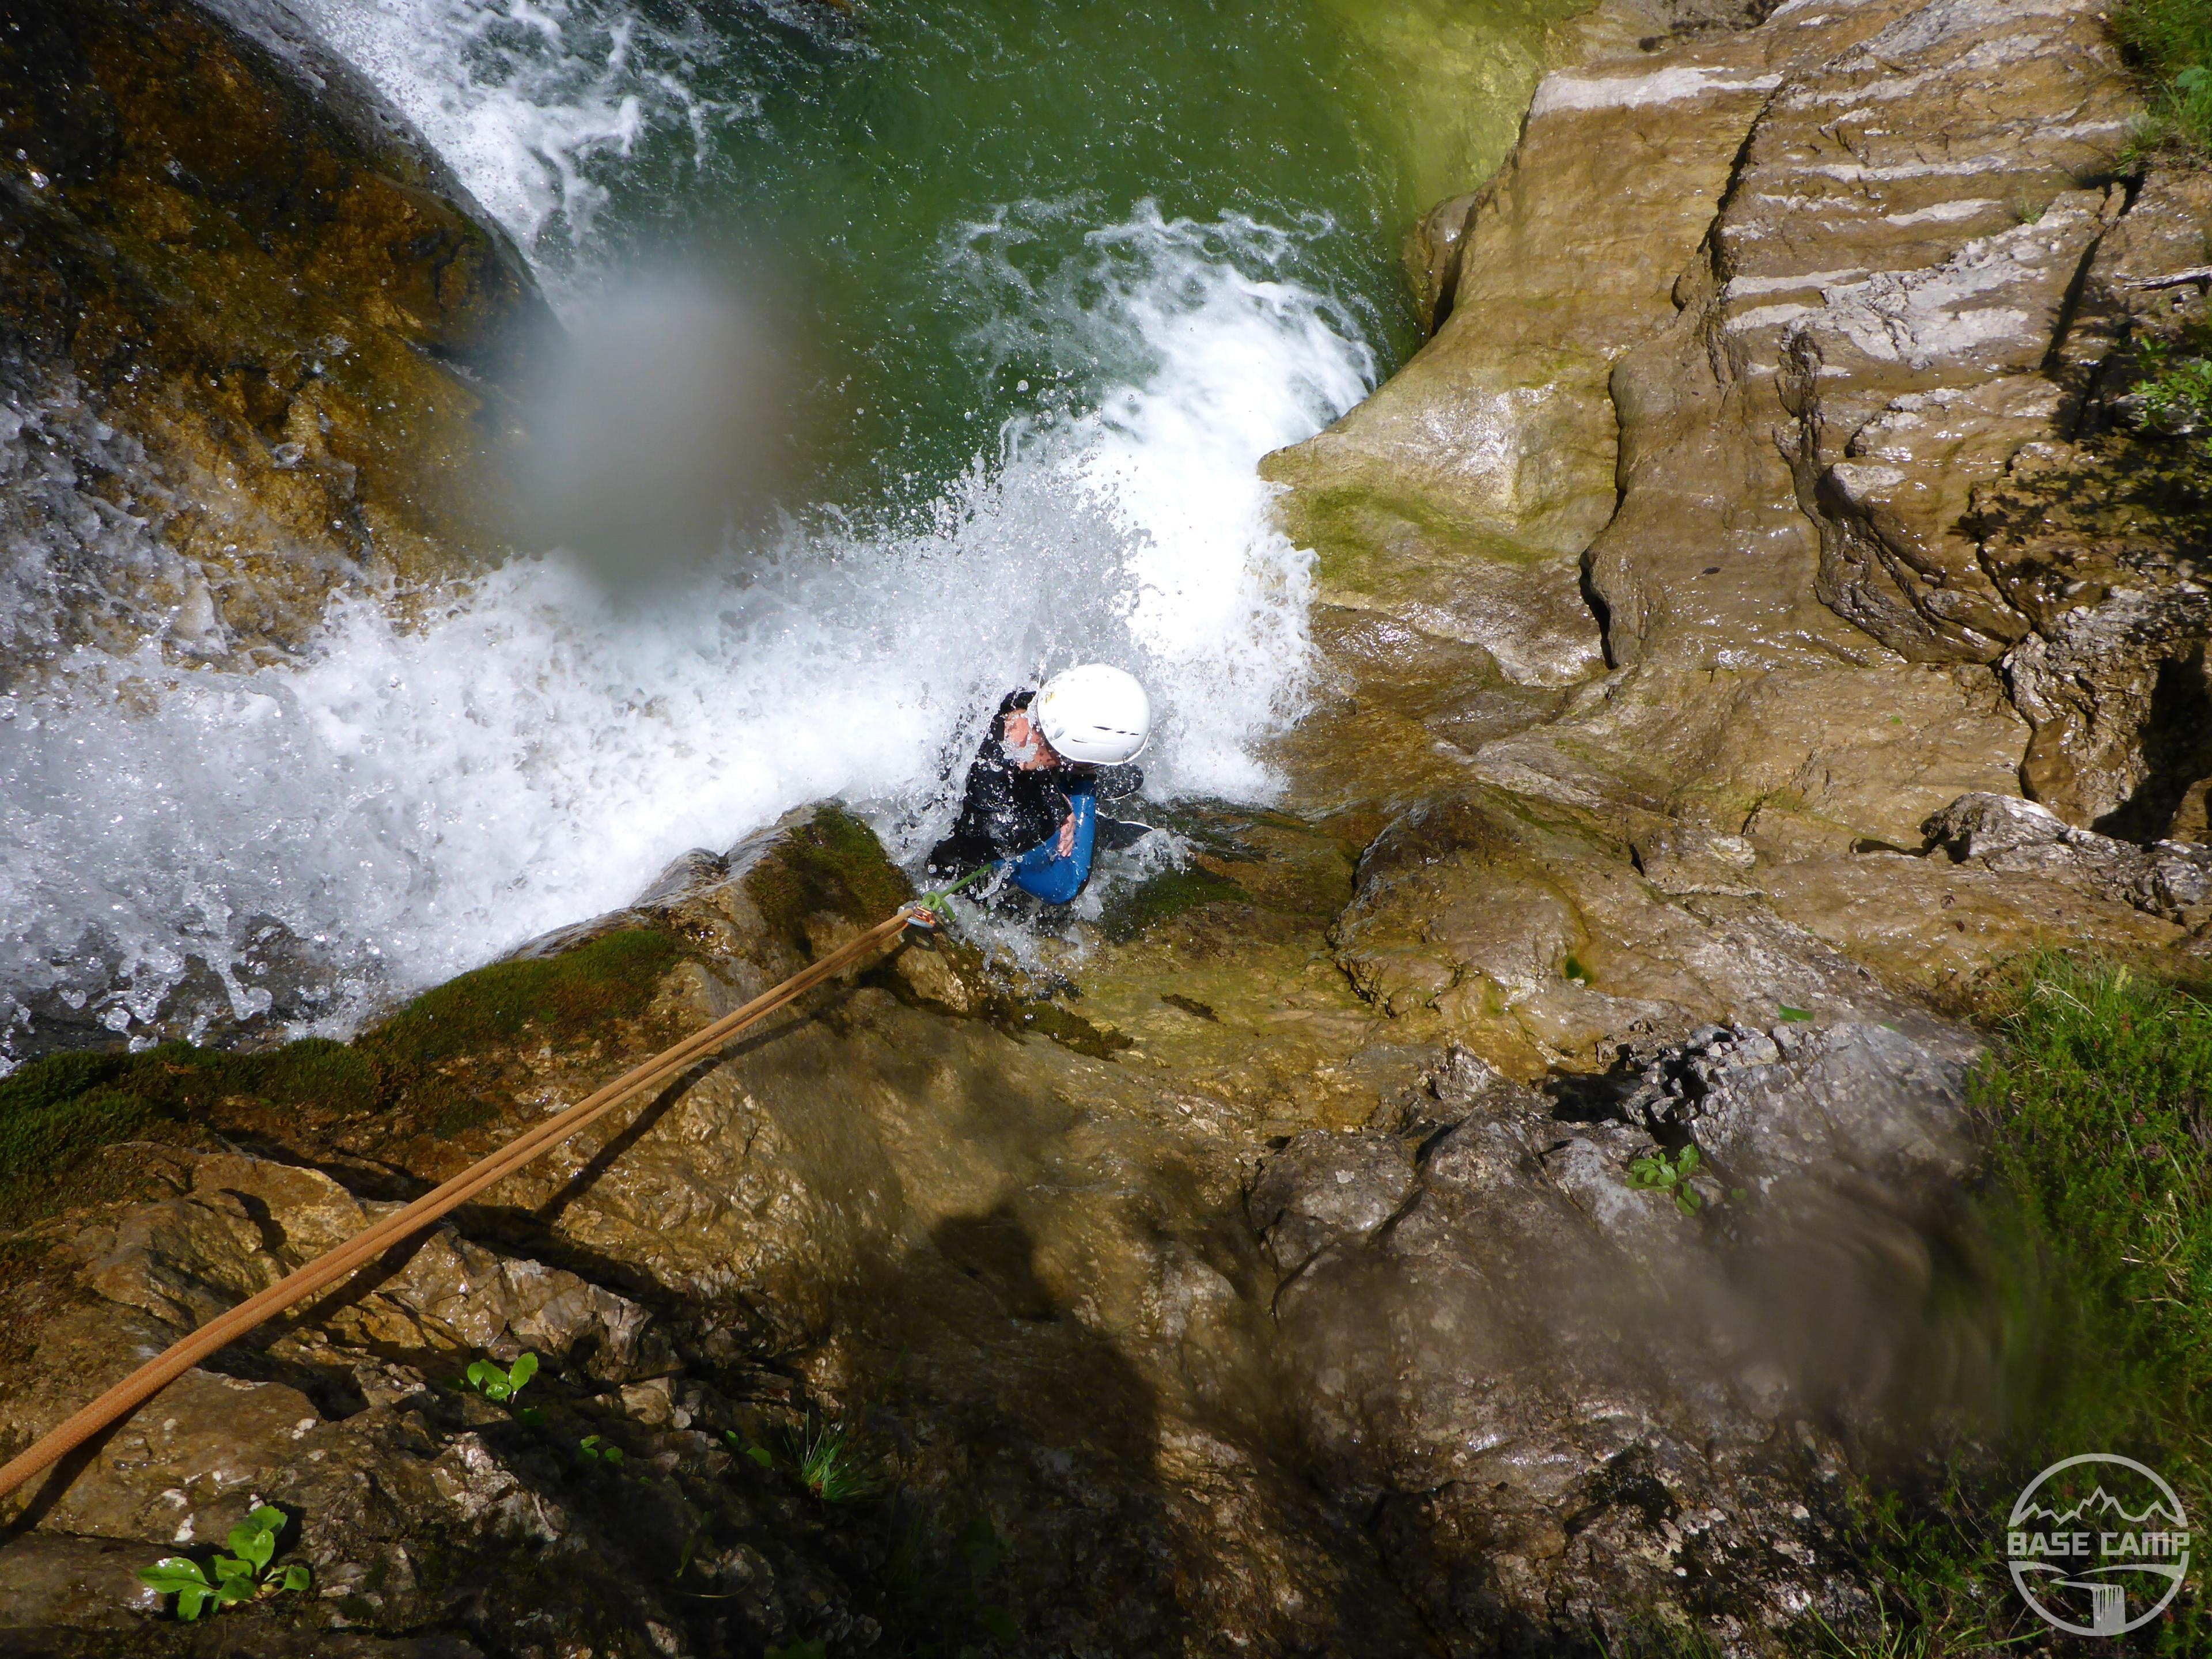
[2176,739]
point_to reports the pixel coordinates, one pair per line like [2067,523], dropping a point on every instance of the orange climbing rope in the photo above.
[332,1266]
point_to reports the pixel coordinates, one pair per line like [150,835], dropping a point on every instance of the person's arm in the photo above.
[1054,875]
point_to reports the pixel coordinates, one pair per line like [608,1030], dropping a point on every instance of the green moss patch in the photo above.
[1131,912]
[1070,1030]
[558,998]
[56,1113]
[831,865]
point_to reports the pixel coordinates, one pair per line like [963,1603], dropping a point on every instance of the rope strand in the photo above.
[337,1263]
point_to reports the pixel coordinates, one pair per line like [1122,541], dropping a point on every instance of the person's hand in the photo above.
[1067,835]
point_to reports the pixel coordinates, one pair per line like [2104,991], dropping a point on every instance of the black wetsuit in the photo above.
[1006,810]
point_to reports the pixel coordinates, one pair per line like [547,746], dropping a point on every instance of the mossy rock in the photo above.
[557,997]
[1066,1027]
[1149,903]
[56,1113]
[827,863]
[227,246]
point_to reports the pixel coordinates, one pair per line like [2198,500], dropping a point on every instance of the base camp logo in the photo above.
[2098,1545]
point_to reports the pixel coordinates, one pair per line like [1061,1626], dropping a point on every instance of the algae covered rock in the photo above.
[256,342]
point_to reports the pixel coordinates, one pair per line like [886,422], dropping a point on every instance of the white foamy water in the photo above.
[414,800]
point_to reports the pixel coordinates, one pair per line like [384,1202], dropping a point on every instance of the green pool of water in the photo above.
[930,179]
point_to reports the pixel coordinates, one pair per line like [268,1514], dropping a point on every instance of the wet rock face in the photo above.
[256,341]
[1816,435]
[1310,1260]
[1279,1328]
[1558,1392]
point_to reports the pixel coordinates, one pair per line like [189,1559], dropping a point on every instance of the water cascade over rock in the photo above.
[1485,1176]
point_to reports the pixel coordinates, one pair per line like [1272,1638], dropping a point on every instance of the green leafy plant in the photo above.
[2171,42]
[1794,1015]
[593,1449]
[2176,389]
[760,1455]
[240,1576]
[1657,1172]
[499,1383]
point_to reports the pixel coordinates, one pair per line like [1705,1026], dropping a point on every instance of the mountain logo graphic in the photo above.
[2101,1562]
[2100,1504]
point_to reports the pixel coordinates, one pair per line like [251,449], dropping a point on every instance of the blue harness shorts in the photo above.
[1050,875]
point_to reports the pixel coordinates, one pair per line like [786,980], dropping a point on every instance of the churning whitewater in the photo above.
[411,799]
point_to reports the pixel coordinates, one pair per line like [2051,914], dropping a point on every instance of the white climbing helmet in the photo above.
[1095,713]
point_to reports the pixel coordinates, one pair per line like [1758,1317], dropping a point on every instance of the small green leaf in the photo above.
[190,1600]
[526,1367]
[227,1567]
[253,1545]
[1788,1012]
[1686,1161]
[173,1575]
[762,1456]
[237,1589]
[1686,1201]
[295,1578]
[268,1518]
[487,1379]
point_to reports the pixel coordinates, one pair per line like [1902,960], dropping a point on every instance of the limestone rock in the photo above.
[1460,497]
[1480,1374]
[1849,416]
[2171,879]
[1536,941]
[1324,1189]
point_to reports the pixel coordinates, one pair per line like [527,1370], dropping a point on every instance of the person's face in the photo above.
[1026,743]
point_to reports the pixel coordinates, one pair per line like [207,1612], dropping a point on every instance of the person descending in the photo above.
[1030,803]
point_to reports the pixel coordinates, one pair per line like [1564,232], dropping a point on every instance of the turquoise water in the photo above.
[937,184]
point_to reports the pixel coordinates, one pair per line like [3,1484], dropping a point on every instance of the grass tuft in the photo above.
[2171,42]
[2095,1100]
[831,1464]
[2099,1102]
